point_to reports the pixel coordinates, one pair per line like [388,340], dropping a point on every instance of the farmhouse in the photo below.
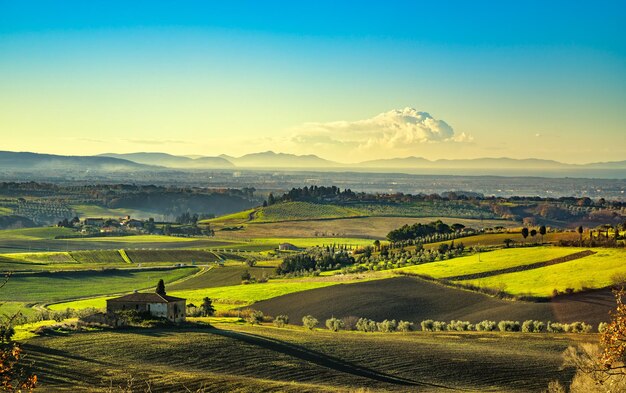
[287,247]
[96,222]
[157,304]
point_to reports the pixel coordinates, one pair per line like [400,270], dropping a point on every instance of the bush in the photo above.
[428,325]
[439,326]
[366,325]
[334,324]
[281,321]
[509,326]
[486,326]
[387,326]
[255,317]
[460,326]
[309,322]
[578,327]
[555,327]
[602,327]
[531,326]
[405,326]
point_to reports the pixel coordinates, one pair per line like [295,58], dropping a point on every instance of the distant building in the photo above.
[94,222]
[162,306]
[287,247]
[132,223]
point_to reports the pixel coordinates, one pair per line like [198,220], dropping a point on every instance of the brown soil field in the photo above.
[221,276]
[361,227]
[415,300]
[243,358]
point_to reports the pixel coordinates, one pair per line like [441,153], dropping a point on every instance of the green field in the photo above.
[293,211]
[51,287]
[42,233]
[594,271]
[488,261]
[231,357]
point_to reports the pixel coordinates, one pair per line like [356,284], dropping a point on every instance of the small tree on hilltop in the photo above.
[160,289]
[207,307]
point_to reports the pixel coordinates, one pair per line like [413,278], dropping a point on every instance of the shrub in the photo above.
[531,326]
[366,325]
[334,324]
[555,327]
[439,326]
[509,326]
[387,326]
[281,321]
[486,326]
[578,327]
[255,317]
[460,326]
[309,322]
[427,325]
[405,326]
[602,327]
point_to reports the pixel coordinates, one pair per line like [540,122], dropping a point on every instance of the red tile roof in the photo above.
[150,297]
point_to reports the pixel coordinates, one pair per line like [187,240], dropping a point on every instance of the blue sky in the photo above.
[486,78]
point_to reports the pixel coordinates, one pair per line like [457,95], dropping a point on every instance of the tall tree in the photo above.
[580,234]
[533,233]
[524,233]
[160,289]
[207,307]
[542,232]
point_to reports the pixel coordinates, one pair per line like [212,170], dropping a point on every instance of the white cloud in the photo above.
[397,129]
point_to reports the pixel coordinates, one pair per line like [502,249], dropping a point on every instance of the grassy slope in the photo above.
[594,271]
[253,359]
[290,211]
[99,211]
[493,260]
[34,233]
[59,286]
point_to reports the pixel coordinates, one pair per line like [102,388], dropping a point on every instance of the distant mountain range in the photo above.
[171,161]
[270,160]
[24,161]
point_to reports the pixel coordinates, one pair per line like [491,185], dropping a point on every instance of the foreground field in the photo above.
[262,359]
